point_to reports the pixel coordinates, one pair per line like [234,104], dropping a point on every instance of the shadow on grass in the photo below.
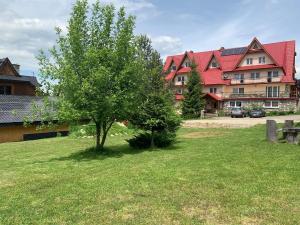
[116,151]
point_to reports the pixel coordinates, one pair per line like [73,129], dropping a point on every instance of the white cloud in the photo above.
[167,45]
[28,25]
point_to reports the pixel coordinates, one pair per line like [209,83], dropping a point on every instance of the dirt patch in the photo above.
[203,134]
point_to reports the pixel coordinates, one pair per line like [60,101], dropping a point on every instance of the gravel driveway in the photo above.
[228,122]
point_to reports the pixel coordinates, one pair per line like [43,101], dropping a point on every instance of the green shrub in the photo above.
[90,130]
[143,140]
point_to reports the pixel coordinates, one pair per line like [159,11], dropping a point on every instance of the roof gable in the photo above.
[281,53]
[7,68]
[254,46]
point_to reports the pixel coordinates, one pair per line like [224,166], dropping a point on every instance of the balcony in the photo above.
[248,80]
[260,94]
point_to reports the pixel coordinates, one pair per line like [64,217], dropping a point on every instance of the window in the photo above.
[273,92]
[238,90]
[239,76]
[5,90]
[179,91]
[173,68]
[249,61]
[271,104]
[213,90]
[214,64]
[187,64]
[255,46]
[234,104]
[180,78]
[262,60]
[255,76]
[273,74]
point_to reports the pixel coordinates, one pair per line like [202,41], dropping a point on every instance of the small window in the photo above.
[179,91]
[239,76]
[236,104]
[238,91]
[5,90]
[271,104]
[273,92]
[213,90]
[255,46]
[262,60]
[249,61]
[187,64]
[214,64]
[255,76]
[173,68]
[273,74]
[179,78]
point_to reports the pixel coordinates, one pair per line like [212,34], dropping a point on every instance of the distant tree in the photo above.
[154,112]
[92,68]
[193,101]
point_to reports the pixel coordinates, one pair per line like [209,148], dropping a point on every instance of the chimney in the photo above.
[221,49]
[191,51]
[17,68]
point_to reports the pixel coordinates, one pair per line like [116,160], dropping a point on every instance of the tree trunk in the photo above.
[98,136]
[105,132]
[152,139]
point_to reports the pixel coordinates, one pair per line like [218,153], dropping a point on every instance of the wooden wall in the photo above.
[15,132]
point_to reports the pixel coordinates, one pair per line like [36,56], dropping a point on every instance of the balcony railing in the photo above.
[260,94]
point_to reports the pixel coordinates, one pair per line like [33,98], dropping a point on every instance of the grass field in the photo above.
[208,177]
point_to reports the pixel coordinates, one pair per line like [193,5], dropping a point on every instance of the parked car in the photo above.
[257,113]
[238,112]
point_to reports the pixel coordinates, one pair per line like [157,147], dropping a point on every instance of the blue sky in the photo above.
[174,26]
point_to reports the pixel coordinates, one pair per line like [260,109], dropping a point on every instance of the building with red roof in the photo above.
[257,74]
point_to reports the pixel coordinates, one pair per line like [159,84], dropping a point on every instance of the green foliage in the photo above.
[253,106]
[193,101]
[143,140]
[92,69]
[89,130]
[154,111]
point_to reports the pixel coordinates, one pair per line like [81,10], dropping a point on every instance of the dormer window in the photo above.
[255,46]
[187,64]
[173,68]
[214,64]
[180,78]
[262,60]
[249,61]
[5,90]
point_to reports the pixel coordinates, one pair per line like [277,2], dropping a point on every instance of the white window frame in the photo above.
[262,60]
[235,104]
[213,90]
[239,76]
[187,64]
[238,90]
[273,74]
[271,105]
[249,61]
[256,76]
[273,91]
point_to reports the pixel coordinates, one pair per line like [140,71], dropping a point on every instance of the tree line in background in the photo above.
[101,72]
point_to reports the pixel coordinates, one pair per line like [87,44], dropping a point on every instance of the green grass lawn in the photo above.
[218,176]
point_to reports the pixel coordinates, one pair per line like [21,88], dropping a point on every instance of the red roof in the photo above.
[283,54]
[214,96]
[184,70]
[179,97]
